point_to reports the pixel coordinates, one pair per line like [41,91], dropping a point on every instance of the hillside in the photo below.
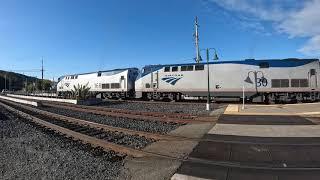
[16,81]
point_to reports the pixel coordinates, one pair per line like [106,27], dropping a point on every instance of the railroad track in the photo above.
[155,136]
[150,116]
[88,132]
[185,102]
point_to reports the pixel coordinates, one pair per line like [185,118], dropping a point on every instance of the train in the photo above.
[267,80]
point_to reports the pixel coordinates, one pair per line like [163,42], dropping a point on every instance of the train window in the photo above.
[312,72]
[115,85]
[299,83]
[99,74]
[105,86]
[183,68]
[264,65]
[279,83]
[174,68]
[166,69]
[72,77]
[186,68]
[76,77]
[275,83]
[284,82]
[304,83]
[295,83]
[147,85]
[199,67]
[189,68]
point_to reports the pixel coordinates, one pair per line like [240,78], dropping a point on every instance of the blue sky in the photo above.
[76,36]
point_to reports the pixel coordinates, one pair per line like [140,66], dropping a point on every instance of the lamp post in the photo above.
[255,73]
[208,74]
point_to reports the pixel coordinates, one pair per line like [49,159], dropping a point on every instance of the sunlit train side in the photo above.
[117,83]
[262,80]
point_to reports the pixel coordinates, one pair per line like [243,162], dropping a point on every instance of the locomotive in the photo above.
[116,83]
[269,80]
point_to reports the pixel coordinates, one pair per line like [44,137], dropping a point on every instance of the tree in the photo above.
[43,85]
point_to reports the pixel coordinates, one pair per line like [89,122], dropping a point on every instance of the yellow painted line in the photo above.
[232,108]
[272,114]
[185,177]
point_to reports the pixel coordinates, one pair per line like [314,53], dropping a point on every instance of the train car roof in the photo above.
[111,70]
[289,62]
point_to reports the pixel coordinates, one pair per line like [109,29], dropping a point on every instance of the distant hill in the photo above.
[15,81]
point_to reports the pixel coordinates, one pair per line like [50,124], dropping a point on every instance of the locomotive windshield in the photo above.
[60,78]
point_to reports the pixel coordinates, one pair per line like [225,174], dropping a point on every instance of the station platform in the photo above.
[259,142]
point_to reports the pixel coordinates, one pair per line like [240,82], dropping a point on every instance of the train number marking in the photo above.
[262,82]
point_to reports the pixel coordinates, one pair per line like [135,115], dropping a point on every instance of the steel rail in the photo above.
[95,142]
[131,116]
[156,136]
[131,112]
[98,126]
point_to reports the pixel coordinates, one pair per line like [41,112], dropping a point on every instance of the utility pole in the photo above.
[208,81]
[196,39]
[5,81]
[42,84]
[26,85]
[9,84]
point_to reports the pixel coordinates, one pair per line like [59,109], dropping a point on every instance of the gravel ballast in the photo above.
[28,152]
[147,126]
[169,107]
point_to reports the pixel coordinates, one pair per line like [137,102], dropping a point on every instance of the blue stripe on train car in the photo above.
[291,62]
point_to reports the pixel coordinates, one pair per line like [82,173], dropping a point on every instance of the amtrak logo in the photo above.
[171,80]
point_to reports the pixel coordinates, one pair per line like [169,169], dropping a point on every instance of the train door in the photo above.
[155,80]
[313,78]
[123,83]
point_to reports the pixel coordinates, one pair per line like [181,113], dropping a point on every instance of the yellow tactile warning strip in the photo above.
[308,109]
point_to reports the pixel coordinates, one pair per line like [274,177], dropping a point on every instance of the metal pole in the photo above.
[26,85]
[256,80]
[243,97]
[42,86]
[196,35]
[208,96]
[5,81]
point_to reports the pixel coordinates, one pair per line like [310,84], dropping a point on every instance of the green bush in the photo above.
[80,92]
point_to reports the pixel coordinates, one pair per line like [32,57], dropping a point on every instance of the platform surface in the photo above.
[261,142]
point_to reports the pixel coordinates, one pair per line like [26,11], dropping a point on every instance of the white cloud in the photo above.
[312,47]
[293,17]
[255,8]
[304,22]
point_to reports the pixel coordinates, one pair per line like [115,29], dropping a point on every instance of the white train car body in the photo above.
[117,82]
[263,79]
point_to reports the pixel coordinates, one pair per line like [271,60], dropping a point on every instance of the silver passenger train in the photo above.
[271,80]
